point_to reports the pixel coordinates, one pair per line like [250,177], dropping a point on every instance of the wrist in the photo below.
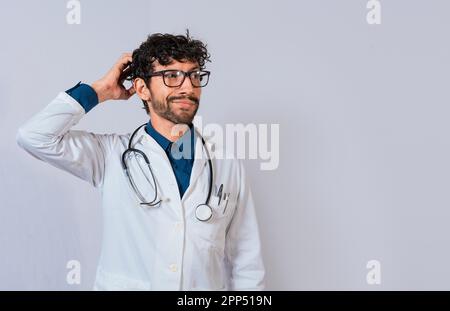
[101,89]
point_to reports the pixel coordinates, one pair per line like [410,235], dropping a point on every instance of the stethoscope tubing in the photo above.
[155,200]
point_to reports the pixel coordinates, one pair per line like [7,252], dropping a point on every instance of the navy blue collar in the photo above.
[164,142]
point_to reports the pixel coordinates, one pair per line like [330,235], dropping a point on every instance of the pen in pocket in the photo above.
[226,197]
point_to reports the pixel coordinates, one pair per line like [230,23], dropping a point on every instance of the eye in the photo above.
[195,75]
[172,74]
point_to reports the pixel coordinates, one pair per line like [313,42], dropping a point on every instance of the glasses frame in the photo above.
[185,73]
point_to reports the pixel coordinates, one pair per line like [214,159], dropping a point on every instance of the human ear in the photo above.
[142,90]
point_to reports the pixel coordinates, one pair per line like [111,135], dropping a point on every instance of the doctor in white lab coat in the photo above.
[163,247]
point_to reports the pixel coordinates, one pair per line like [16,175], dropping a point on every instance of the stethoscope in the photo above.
[203,212]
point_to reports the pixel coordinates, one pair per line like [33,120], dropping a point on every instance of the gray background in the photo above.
[363,111]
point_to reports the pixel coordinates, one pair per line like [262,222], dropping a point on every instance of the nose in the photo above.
[186,87]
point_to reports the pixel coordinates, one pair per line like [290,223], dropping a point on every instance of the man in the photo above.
[190,224]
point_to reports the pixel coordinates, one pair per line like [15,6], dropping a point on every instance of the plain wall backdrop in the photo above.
[364,170]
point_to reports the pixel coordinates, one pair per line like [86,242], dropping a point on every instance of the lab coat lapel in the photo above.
[200,160]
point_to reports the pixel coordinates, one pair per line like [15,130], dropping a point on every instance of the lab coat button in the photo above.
[173,267]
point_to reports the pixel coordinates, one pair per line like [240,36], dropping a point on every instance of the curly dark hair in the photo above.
[165,48]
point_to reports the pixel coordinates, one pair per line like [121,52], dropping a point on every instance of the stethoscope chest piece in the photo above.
[203,212]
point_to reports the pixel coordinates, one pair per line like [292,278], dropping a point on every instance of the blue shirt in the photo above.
[180,153]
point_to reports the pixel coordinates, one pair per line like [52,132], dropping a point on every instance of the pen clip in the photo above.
[219,193]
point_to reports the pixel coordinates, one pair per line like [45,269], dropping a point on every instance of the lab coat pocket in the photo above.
[213,231]
[223,208]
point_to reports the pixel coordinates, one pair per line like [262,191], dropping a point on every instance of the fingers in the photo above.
[124,74]
[125,56]
[124,60]
[127,93]
[131,91]
[122,63]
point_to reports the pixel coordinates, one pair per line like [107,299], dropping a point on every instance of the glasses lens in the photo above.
[173,77]
[199,78]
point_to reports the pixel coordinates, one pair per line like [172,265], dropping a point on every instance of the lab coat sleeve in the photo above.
[243,245]
[47,136]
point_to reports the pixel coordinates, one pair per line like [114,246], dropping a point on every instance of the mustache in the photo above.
[190,97]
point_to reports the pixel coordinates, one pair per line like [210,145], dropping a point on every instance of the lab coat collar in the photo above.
[188,136]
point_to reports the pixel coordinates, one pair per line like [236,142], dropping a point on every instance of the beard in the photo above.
[178,115]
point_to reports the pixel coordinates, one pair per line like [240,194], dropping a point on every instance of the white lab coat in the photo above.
[160,248]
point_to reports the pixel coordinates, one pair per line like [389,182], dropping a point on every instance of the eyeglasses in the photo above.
[175,78]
